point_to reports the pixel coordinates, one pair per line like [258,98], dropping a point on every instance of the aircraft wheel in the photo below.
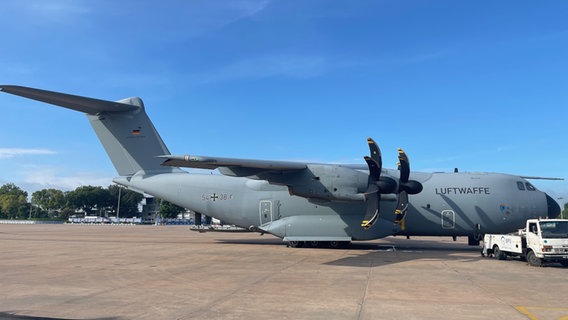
[499,254]
[533,259]
[295,244]
[338,244]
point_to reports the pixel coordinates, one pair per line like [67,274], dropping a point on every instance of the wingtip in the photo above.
[3,87]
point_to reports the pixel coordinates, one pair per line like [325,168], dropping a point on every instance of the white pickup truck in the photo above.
[542,240]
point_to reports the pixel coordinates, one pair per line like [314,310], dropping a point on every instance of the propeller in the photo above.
[377,185]
[405,186]
[372,195]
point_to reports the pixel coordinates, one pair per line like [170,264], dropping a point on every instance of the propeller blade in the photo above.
[372,212]
[375,152]
[374,171]
[372,195]
[404,165]
[401,207]
[405,187]
[410,186]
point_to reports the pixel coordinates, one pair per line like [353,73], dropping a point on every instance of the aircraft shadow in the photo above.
[555,265]
[390,253]
[13,316]
[407,244]
[266,241]
[383,252]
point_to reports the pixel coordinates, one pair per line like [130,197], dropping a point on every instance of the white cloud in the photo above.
[414,59]
[236,10]
[300,66]
[259,67]
[11,69]
[35,177]
[53,12]
[48,179]
[57,9]
[15,152]
[204,16]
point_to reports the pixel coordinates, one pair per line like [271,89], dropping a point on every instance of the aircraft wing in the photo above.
[541,178]
[233,166]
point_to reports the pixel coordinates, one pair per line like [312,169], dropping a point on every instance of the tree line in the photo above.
[57,204]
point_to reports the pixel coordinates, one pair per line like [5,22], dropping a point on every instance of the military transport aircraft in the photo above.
[318,203]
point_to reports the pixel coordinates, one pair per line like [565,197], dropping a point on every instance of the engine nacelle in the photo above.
[330,182]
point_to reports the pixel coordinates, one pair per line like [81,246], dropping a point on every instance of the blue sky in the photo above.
[478,85]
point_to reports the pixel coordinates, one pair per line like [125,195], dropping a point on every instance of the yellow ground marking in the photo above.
[530,315]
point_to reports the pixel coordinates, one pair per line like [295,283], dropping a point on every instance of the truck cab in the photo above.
[548,239]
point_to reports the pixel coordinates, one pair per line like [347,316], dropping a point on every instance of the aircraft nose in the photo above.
[553,207]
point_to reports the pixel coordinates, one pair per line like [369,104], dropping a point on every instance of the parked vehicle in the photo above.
[541,241]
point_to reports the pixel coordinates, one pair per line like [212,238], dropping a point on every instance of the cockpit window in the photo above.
[530,187]
[520,185]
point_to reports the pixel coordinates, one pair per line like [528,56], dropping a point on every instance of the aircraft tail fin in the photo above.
[123,127]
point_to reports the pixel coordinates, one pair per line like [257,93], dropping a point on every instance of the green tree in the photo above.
[91,199]
[169,210]
[129,201]
[50,200]
[66,212]
[13,202]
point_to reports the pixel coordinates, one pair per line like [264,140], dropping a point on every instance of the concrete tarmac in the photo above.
[169,272]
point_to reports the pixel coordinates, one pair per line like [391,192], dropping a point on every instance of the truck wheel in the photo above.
[533,260]
[564,263]
[499,254]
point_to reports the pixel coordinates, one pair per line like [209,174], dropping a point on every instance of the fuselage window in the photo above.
[520,185]
[530,187]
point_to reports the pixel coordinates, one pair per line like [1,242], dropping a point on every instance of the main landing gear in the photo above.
[319,244]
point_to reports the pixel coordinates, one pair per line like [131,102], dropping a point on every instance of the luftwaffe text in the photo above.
[463,190]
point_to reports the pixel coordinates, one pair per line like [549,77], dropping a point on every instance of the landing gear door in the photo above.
[266,210]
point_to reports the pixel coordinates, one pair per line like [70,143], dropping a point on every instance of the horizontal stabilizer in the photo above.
[78,103]
[124,129]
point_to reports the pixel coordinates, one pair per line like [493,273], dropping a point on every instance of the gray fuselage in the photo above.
[451,204]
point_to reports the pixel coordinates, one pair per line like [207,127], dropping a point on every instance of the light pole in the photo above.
[118,206]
